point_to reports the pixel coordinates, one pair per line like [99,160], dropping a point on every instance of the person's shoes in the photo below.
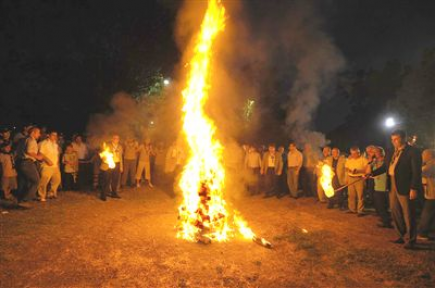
[116,196]
[349,212]
[150,185]
[279,196]
[330,206]
[423,237]
[42,200]
[361,214]
[409,246]
[398,241]
[103,198]
[138,185]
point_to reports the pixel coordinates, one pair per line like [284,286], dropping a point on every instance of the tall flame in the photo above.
[203,212]
[326,180]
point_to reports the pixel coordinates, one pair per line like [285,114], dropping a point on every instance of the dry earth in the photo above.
[79,241]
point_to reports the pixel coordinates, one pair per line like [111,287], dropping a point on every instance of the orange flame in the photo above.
[203,211]
[326,180]
[107,157]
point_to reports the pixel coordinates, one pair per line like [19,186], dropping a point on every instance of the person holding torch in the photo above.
[111,168]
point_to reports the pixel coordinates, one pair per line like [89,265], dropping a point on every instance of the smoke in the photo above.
[275,54]
[317,61]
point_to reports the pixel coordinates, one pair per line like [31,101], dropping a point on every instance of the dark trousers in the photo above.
[427,220]
[270,181]
[369,191]
[84,175]
[129,173]
[29,180]
[308,181]
[69,181]
[253,181]
[403,213]
[110,180]
[380,199]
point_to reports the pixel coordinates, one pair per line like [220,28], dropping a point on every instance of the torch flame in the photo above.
[203,211]
[107,157]
[326,180]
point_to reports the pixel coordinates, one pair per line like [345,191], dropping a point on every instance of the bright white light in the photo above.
[390,122]
[166,82]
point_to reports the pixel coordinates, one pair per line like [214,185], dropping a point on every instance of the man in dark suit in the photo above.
[403,167]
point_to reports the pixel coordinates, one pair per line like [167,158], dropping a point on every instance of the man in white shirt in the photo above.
[294,164]
[84,175]
[357,167]
[253,165]
[50,171]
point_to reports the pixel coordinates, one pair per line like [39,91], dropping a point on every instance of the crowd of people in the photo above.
[35,164]
[395,182]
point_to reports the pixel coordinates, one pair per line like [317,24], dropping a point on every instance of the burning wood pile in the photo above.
[203,213]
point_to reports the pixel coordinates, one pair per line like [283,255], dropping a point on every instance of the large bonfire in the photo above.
[204,214]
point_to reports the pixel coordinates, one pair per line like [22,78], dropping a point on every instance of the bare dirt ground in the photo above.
[80,241]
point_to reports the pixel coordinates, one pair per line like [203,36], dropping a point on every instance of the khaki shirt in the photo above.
[253,160]
[30,146]
[71,162]
[130,150]
[51,151]
[7,163]
[360,164]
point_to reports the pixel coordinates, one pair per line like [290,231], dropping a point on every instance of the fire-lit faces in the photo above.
[335,153]
[6,135]
[379,153]
[53,136]
[326,151]
[36,133]
[79,139]
[272,149]
[115,139]
[292,147]
[397,141]
[355,153]
[69,149]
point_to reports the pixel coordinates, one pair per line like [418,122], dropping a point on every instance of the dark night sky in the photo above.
[61,60]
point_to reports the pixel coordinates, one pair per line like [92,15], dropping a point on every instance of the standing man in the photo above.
[404,167]
[271,168]
[111,177]
[146,151]
[131,147]
[253,165]
[357,167]
[338,163]
[294,164]
[27,156]
[50,171]
[82,151]
[308,173]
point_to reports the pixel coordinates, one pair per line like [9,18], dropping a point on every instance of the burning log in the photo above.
[263,242]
